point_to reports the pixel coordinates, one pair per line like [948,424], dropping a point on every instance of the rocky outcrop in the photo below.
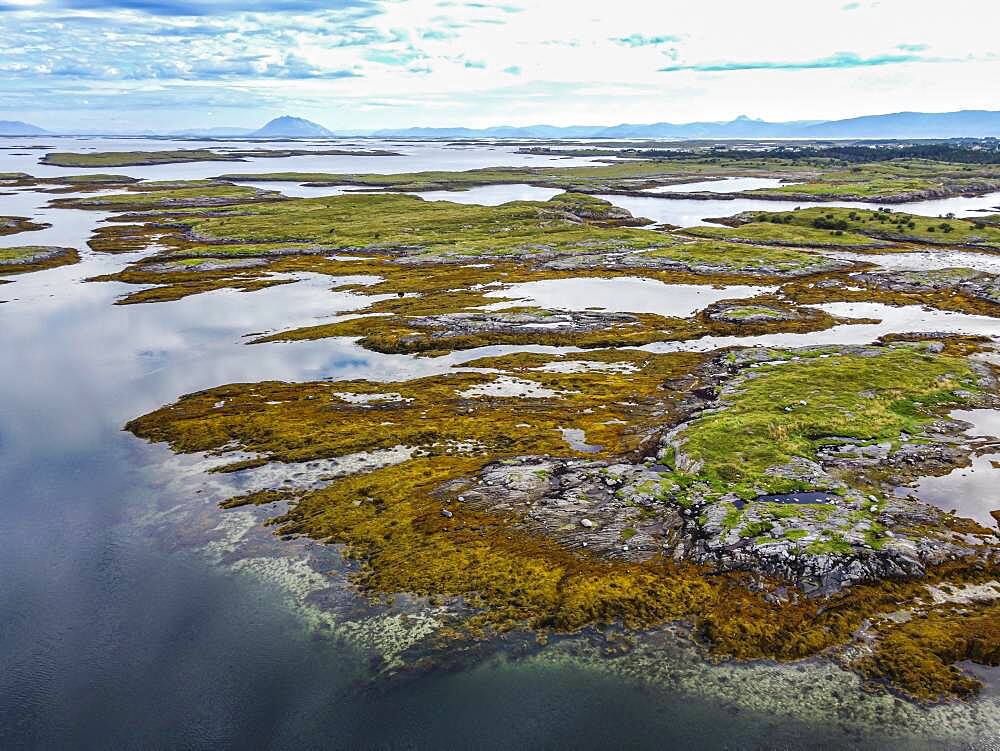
[615,510]
[521,321]
[978,285]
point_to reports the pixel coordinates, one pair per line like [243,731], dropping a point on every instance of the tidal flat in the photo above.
[552,435]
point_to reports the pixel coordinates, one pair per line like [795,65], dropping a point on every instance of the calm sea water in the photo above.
[118,631]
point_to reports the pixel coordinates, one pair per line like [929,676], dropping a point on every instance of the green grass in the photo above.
[894,178]
[753,431]
[776,233]
[752,311]
[739,257]
[885,224]
[180,194]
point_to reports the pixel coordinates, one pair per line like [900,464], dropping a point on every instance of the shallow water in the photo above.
[927,260]
[491,195]
[725,185]
[907,319]
[134,614]
[413,157]
[971,491]
[692,212]
[484,195]
[621,295]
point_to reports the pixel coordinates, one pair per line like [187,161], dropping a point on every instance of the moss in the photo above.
[835,544]
[756,529]
[732,518]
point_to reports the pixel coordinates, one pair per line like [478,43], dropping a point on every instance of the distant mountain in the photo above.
[17,128]
[741,127]
[291,127]
[214,132]
[965,124]
[503,131]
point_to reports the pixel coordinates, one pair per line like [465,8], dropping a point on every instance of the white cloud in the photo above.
[381,63]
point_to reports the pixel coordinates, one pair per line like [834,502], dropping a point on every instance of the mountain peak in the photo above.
[287,126]
[17,128]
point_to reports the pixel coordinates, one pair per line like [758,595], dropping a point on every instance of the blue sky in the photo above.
[357,64]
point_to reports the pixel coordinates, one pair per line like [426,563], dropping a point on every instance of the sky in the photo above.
[134,65]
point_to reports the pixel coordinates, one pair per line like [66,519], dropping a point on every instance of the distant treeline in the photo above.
[983,153]
[978,152]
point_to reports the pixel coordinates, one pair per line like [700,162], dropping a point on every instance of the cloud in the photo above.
[216,7]
[449,61]
[837,60]
[642,40]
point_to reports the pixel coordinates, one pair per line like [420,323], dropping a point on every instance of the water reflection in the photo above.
[484,195]
[927,260]
[970,491]
[413,157]
[724,185]
[906,319]
[692,212]
[621,295]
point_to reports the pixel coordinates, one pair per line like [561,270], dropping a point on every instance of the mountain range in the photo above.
[963,124]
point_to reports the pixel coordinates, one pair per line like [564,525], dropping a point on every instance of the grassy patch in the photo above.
[784,411]
[888,225]
[780,233]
